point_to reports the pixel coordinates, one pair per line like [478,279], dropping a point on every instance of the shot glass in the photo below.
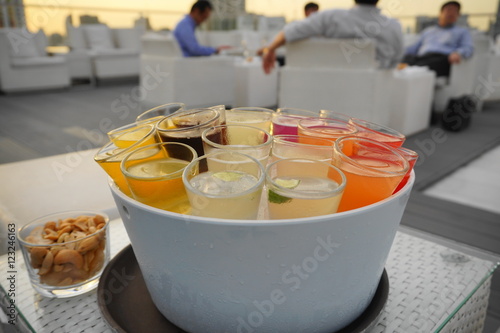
[186,127]
[231,187]
[370,130]
[244,139]
[325,128]
[154,175]
[157,113]
[373,170]
[411,156]
[111,155]
[334,115]
[125,136]
[296,146]
[251,116]
[303,188]
[65,253]
[286,120]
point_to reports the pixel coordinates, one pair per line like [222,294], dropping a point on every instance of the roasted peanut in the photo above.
[37,256]
[88,244]
[72,261]
[69,257]
[46,264]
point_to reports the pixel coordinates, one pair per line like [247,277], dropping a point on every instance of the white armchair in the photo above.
[167,76]
[320,74]
[464,77]
[24,64]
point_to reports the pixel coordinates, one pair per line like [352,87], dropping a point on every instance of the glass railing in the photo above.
[52,19]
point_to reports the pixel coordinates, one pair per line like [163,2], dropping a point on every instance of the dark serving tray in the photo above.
[126,304]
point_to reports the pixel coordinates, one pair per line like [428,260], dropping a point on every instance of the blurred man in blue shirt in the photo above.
[184,32]
[440,46]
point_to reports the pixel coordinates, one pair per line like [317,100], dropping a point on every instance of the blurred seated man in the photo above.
[310,8]
[184,32]
[363,22]
[442,45]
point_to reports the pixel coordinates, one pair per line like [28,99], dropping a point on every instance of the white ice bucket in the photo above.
[309,275]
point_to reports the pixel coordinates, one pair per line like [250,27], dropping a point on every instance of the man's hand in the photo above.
[268,60]
[454,58]
[223,47]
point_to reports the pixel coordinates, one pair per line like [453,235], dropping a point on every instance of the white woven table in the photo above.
[427,293]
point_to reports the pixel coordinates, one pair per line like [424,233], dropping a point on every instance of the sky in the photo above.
[165,13]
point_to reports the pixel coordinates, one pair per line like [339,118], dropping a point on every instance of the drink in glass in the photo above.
[251,116]
[295,146]
[373,170]
[110,156]
[411,156]
[157,113]
[186,127]
[286,120]
[249,140]
[300,188]
[334,115]
[370,130]
[325,128]
[230,188]
[154,175]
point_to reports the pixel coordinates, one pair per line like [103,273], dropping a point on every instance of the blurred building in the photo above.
[225,13]
[12,13]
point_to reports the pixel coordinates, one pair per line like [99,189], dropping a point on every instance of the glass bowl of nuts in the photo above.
[65,253]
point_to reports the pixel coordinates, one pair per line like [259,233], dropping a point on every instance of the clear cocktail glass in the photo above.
[230,188]
[296,146]
[251,116]
[303,188]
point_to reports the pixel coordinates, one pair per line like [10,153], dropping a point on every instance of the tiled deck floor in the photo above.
[476,184]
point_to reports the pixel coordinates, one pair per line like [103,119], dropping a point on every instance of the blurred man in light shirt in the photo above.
[442,45]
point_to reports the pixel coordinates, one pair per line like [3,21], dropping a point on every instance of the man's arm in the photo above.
[413,49]
[269,53]
[308,27]
[466,45]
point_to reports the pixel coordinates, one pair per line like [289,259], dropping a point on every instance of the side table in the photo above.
[427,293]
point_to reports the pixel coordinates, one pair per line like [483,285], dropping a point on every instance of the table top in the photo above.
[426,290]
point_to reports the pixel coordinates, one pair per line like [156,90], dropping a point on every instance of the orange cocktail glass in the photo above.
[110,156]
[374,131]
[411,157]
[325,128]
[373,170]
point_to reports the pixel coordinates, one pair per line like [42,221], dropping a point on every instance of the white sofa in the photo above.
[342,75]
[100,52]
[24,64]
[166,76]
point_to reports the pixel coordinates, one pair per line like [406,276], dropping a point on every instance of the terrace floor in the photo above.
[456,194]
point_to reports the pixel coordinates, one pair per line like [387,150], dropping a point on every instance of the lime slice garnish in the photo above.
[228,176]
[287,183]
[277,198]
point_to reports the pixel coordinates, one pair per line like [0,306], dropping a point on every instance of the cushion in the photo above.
[76,38]
[127,38]
[98,36]
[41,42]
[22,44]
[114,53]
[37,61]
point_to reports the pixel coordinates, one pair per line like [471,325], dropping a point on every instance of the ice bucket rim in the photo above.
[208,220]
